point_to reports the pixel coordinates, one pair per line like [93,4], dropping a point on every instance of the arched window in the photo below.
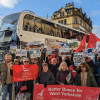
[40,30]
[27,27]
[51,33]
[35,29]
[58,34]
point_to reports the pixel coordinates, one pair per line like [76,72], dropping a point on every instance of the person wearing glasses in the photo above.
[35,60]
[85,77]
[26,84]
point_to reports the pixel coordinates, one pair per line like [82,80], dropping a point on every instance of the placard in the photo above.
[91,52]
[48,50]
[35,53]
[73,43]
[14,46]
[78,58]
[64,45]
[50,42]
[98,45]
[34,43]
[21,52]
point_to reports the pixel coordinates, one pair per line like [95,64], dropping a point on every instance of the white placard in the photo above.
[21,52]
[78,58]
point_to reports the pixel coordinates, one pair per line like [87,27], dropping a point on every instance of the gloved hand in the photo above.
[45,84]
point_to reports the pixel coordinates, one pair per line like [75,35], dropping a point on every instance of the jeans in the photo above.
[6,89]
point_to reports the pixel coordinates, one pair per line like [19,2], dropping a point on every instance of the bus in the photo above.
[25,26]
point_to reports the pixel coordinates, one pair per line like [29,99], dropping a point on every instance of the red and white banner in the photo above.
[25,72]
[66,92]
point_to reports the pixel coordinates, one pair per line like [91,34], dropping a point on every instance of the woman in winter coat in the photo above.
[64,76]
[45,76]
[85,77]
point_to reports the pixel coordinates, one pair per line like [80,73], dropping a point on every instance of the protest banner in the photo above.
[13,51]
[98,45]
[78,58]
[85,53]
[90,52]
[35,53]
[13,48]
[64,48]
[73,43]
[21,52]
[48,50]
[25,72]
[66,92]
[50,42]
[35,45]
[64,45]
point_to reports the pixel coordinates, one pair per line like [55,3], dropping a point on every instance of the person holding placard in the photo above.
[64,75]
[53,66]
[97,64]
[34,60]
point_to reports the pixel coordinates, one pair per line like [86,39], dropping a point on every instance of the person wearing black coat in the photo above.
[45,76]
[53,67]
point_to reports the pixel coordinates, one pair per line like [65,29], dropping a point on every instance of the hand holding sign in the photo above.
[95,52]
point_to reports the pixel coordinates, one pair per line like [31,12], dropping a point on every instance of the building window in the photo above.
[81,22]
[65,21]
[75,20]
[85,25]
[61,21]
[61,14]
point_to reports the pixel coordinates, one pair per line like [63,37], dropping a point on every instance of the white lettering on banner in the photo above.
[26,72]
[68,90]
[67,93]
[39,96]
[54,89]
[89,98]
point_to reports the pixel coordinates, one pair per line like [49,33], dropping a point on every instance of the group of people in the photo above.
[54,72]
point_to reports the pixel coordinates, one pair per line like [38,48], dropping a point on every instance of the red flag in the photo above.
[92,41]
[25,72]
[82,44]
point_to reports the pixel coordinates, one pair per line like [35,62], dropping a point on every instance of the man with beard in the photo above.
[5,77]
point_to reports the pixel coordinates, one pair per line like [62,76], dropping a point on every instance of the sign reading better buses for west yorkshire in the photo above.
[66,92]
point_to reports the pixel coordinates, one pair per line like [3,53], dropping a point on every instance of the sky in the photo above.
[44,7]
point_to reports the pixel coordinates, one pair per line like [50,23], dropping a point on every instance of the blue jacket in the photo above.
[97,64]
